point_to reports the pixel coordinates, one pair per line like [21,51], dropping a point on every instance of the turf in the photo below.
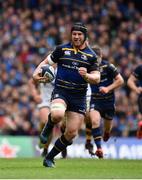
[31,168]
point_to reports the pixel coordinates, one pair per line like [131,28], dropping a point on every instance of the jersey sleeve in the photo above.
[113,70]
[56,54]
[95,65]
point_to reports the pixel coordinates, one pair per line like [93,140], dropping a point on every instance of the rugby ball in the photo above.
[48,71]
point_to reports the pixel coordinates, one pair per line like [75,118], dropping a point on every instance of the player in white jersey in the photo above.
[45,93]
[41,94]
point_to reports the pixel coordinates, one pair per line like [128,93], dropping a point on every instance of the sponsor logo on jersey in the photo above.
[68,53]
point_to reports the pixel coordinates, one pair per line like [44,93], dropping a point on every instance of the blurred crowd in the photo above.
[29,29]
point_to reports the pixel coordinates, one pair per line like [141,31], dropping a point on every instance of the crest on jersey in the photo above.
[68,53]
[83,57]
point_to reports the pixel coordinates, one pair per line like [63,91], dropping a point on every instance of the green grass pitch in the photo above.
[31,168]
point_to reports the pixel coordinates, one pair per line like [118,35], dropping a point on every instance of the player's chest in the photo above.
[75,59]
[105,75]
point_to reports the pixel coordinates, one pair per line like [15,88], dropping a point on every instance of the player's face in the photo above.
[77,38]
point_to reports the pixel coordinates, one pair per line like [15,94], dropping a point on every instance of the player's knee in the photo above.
[96,123]
[57,112]
[57,116]
[71,134]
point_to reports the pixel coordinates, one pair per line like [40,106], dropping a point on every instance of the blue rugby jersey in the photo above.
[108,73]
[138,74]
[68,61]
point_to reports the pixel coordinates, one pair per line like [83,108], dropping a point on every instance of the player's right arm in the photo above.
[51,59]
[132,84]
[37,73]
[34,91]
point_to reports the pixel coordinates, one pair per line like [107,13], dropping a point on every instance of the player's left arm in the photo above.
[118,82]
[92,74]
[93,77]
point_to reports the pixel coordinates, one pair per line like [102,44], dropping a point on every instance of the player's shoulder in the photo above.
[59,50]
[138,72]
[108,65]
[104,63]
[65,48]
[89,51]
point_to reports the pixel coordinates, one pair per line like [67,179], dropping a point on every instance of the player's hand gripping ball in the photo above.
[48,72]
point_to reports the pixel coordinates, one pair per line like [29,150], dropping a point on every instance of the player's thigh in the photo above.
[74,121]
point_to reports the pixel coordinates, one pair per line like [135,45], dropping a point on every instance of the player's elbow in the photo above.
[97,80]
[94,81]
[129,82]
[93,78]
[121,81]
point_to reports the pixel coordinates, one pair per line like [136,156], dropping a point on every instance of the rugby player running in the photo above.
[102,103]
[76,67]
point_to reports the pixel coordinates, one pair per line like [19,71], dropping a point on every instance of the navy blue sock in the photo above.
[96,132]
[48,127]
[60,144]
